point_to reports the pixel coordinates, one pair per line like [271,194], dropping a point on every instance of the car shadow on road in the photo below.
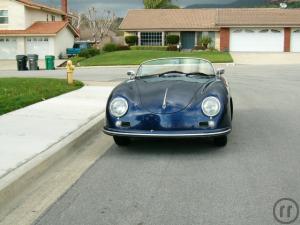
[171,146]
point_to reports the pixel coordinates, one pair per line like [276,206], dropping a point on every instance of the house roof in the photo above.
[38,6]
[41,28]
[204,19]
[169,19]
[258,17]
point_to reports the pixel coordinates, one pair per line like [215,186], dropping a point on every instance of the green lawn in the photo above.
[16,93]
[135,57]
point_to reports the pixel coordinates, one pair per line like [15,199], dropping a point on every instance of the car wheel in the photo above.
[220,141]
[122,141]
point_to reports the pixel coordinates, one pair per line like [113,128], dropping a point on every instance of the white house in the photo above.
[31,28]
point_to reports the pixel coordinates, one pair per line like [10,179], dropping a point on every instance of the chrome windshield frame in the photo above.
[170,58]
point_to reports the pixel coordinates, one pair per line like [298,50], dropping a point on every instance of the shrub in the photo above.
[205,41]
[123,47]
[173,39]
[89,52]
[198,48]
[110,47]
[154,48]
[172,48]
[131,40]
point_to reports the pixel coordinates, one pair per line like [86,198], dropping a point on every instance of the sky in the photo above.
[120,7]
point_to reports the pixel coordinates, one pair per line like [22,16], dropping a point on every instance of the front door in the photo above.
[187,40]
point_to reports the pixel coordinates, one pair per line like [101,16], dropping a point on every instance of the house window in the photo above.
[52,18]
[296,31]
[264,31]
[238,31]
[275,31]
[249,31]
[151,38]
[3,16]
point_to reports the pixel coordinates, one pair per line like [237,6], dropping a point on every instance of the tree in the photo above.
[159,4]
[100,23]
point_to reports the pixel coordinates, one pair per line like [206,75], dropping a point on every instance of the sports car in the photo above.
[171,98]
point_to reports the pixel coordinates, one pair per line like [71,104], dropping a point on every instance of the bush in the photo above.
[198,48]
[89,52]
[173,39]
[123,47]
[205,41]
[110,47]
[172,48]
[131,40]
[154,48]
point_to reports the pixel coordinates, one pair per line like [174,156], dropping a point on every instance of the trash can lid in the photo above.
[50,57]
[21,57]
[33,56]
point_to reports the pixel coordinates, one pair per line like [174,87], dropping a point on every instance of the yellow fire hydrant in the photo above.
[70,72]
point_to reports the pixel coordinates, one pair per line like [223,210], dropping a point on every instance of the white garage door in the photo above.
[8,48]
[295,40]
[38,46]
[256,40]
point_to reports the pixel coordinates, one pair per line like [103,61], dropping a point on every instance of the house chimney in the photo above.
[64,6]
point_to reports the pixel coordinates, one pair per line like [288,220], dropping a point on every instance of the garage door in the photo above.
[295,40]
[38,46]
[8,48]
[256,40]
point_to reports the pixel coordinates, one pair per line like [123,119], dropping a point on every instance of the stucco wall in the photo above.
[21,17]
[63,40]
[33,15]
[217,41]
[16,15]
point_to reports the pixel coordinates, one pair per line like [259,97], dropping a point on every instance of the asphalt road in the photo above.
[191,182]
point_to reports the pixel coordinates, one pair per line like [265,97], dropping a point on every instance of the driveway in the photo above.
[265,58]
[176,182]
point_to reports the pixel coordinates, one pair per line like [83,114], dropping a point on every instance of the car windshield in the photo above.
[176,67]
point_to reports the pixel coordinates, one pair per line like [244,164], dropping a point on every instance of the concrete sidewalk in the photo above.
[27,133]
[11,65]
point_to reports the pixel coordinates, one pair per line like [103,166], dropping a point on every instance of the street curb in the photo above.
[17,180]
[93,67]
[130,66]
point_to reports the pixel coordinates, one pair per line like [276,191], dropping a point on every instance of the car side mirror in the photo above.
[131,73]
[220,72]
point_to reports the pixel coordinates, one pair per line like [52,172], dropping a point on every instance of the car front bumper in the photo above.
[167,134]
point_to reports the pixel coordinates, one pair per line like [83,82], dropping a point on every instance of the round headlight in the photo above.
[211,106]
[118,107]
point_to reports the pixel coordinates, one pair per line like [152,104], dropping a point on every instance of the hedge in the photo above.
[173,39]
[158,48]
[131,40]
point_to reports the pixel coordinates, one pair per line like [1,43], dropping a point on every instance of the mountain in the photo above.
[236,4]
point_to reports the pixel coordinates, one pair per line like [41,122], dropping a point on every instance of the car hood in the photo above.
[165,96]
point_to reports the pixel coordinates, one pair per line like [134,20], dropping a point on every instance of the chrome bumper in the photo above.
[165,134]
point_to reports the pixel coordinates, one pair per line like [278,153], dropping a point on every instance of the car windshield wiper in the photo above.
[199,74]
[171,72]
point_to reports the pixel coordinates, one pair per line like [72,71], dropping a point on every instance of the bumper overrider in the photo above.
[167,134]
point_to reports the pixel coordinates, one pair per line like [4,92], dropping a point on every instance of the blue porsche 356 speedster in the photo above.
[171,98]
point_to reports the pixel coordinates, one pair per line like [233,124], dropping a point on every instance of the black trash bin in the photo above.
[33,62]
[22,62]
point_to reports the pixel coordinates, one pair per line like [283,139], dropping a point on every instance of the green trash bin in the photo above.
[50,62]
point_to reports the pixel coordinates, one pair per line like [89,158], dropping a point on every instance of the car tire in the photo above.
[220,141]
[122,141]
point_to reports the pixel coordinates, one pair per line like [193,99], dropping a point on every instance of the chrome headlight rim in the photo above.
[211,99]
[114,101]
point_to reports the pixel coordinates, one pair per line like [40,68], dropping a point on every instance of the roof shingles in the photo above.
[38,28]
[202,19]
